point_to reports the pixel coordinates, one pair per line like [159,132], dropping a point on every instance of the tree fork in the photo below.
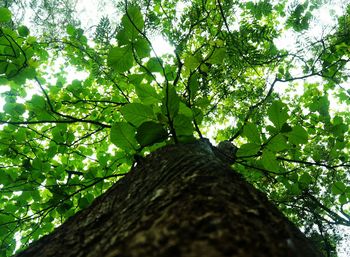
[180,200]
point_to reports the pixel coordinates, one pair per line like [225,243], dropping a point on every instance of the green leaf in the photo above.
[23,31]
[38,102]
[137,113]
[132,21]
[70,29]
[191,62]
[120,58]
[278,114]
[11,70]
[298,135]
[183,125]
[277,143]
[5,15]
[183,109]
[343,199]
[248,150]
[147,94]
[83,203]
[194,85]
[3,67]
[142,48]
[251,132]
[323,106]
[286,128]
[123,136]
[295,189]
[150,132]
[305,179]
[171,102]
[218,56]
[154,65]
[338,188]
[269,161]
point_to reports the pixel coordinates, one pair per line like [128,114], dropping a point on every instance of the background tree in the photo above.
[66,139]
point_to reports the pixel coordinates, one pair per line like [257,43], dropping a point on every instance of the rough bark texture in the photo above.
[180,201]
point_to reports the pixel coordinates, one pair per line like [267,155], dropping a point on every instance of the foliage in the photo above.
[65,138]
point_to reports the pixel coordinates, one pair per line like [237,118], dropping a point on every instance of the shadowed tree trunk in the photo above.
[179,201]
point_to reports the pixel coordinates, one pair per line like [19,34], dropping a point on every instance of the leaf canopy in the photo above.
[77,105]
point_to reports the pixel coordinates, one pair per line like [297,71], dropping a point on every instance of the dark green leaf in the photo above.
[150,132]
[338,188]
[305,179]
[23,31]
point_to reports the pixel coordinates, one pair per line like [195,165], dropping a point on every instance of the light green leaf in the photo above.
[248,149]
[251,132]
[5,15]
[38,102]
[137,113]
[120,58]
[132,21]
[278,114]
[191,62]
[298,135]
[218,56]
[150,132]
[147,94]
[70,29]
[123,136]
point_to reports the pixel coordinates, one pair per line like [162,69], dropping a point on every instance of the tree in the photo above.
[79,112]
[181,201]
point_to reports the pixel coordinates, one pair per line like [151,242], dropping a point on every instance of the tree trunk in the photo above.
[179,201]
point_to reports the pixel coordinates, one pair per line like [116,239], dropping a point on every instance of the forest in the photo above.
[174,128]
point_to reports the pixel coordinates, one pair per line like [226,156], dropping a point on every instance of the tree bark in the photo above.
[180,200]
